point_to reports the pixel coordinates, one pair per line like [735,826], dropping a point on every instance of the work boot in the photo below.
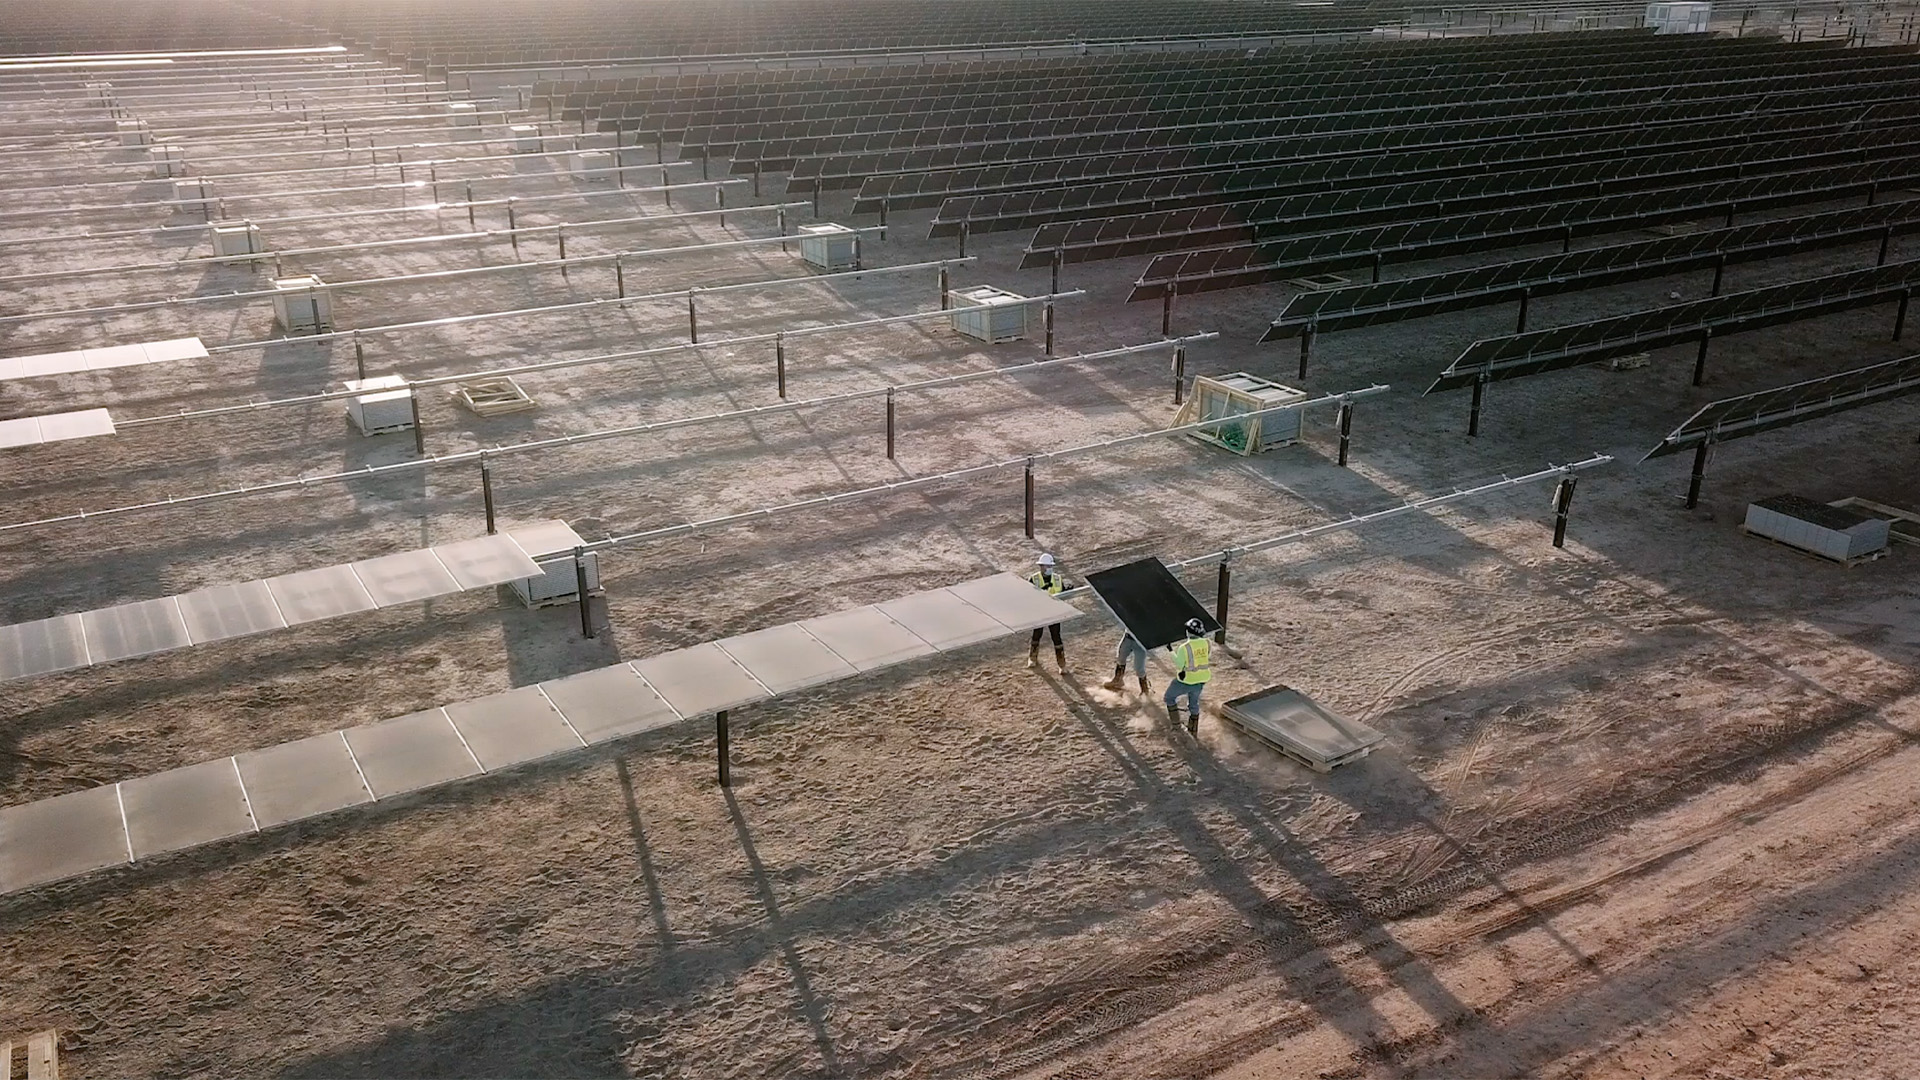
[1173,716]
[1060,659]
[1193,723]
[1116,684]
[1033,656]
[1145,686]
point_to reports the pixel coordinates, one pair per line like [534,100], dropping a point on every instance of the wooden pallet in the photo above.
[493,397]
[43,1057]
[1630,362]
[1319,282]
[1291,754]
[1855,561]
[1891,513]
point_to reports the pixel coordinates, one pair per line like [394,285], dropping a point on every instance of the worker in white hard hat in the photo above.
[1193,661]
[1048,580]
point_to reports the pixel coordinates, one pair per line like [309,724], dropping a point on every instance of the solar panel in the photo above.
[1149,601]
[42,647]
[301,779]
[942,619]
[227,611]
[1783,406]
[486,560]
[61,837]
[1013,602]
[185,807]
[508,728]
[608,703]
[137,629]
[404,578]
[325,593]
[55,427]
[101,359]
[866,638]
[410,752]
[700,680]
[786,658]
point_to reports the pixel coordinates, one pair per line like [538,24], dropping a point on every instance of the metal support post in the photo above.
[1900,316]
[780,362]
[486,493]
[1873,192]
[1886,241]
[780,224]
[1049,320]
[1520,326]
[1166,310]
[693,319]
[963,237]
[889,423]
[619,279]
[1719,274]
[666,189]
[560,232]
[1566,240]
[419,433]
[945,286]
[1377,260]
[1179,374]
[756,179]
[1479,399]
[1701,455]
[858,264]
[1220,596]
[1700,359]
[720,746]
[1346,430]
[1306,347]
[1029,498]
[580,584]
[1059,256]
[470,221]
[720,200]
[816,200]
[883,217]
[359,356]
[1732,208]
[1562,503]
[513,231]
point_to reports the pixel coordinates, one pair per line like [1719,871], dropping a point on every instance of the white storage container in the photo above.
[561,583]
[990,314]
[389,407]
[133,132]
[1679,18]
[241,239]
[1215,397]
[463,113]
[830,246]
[168,160]
[591,166]
[526,139]
[301,304]
[1835,532]
[194,197]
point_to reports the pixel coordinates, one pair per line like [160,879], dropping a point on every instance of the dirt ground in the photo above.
[1644,807]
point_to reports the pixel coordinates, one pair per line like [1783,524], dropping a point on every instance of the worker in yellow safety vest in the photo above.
[1048,580]
[1193,663]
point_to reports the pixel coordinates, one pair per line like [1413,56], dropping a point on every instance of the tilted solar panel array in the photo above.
[1782,406]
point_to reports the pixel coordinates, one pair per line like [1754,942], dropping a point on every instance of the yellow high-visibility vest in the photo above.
[1194,658]
[1052,587]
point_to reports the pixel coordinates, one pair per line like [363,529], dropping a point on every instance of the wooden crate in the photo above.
[43,1057]
[492,397]
[1236,394]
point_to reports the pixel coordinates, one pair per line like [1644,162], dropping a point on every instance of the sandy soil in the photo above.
[1641,811]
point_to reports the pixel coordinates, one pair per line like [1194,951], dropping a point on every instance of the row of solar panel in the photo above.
[1562,347]
[1035,191]
[1440,236]
[1044,206]
[1268,219]
[1766,410]
[1575,271]
[1430,55]
[672,117]
[1310,121]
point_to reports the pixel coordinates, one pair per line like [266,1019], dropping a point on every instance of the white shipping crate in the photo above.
[301,304]
[830,246]
[526,139]
[243,239]
[1679,18]
[168,160]
[133,132]
[560,583]
[989,314]
[194,197]
[389,406]
[591,166]
[1834,532]
[463,113]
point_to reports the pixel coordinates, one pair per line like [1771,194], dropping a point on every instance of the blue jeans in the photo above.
[1130,650]
[1189,690]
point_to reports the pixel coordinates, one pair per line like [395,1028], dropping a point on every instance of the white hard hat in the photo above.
[1045,559]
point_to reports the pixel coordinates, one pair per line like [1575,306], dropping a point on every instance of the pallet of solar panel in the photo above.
[462,113]
[382,404]
[989,314]
[237,239]
[301,304]
[1216,397]
[830,246]
[526,139]
[551,544]
[591,166]
[1838,533]
[194,197]
[492,397]
[168,160]
[133,132]
[42,1054]
[1302,729]
[1894,516]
